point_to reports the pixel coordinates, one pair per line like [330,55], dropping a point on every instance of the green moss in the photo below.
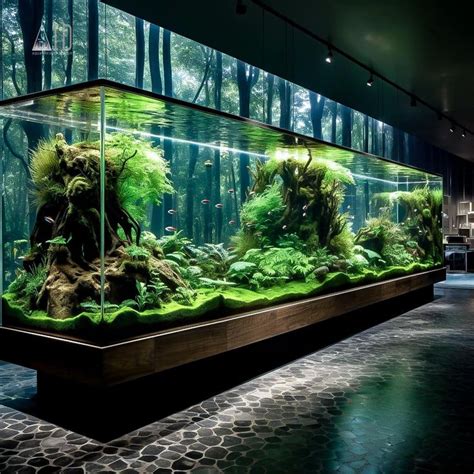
[204,302]
[229,299]
[40,319]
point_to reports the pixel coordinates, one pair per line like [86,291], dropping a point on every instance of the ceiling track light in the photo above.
[452,128]
[329,57]
[240,8]
[413,101]
[463,134]
[370,80]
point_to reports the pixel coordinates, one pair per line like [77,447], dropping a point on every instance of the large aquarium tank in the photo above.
[126,212]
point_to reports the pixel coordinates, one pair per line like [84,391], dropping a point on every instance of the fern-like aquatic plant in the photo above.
[143,176]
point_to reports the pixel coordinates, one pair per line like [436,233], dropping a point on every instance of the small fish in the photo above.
[304,214]
[349,206]
[305,207]
[284,227]
[232,222]
[171,211]
[21,257]
[252,193]
[49,220]
[269,213]
[230,248]
[205,201]
[219,205]
[208,163]
[170,228]
[231,191]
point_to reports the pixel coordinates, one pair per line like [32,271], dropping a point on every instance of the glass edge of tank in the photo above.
[116,86]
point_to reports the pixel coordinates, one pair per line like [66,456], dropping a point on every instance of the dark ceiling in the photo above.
[427,47]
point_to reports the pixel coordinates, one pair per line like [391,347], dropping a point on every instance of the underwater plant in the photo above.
[271,266]
[421,220]
[66,237]
[241,271]
[311,191]
[28,284]
[261,220]
[137,253]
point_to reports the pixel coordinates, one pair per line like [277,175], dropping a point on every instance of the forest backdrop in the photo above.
[108,43]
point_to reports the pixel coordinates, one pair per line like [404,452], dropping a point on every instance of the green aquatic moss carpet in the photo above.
[229,299]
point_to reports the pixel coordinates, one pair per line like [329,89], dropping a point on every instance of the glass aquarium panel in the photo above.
[198,214]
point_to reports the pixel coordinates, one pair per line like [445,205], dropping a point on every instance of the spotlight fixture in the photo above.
[370,80]
[330,57]
[463,134]
[240,8]
[452,128]
[413,101]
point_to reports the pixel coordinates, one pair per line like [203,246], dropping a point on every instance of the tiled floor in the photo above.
[395,398]
[461,281]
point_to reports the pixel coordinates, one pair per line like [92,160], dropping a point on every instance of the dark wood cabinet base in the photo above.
[77,364]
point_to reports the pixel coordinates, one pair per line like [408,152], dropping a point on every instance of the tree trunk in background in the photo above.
[68,72]
[346,120]
[375,137]
[49,32]
[316,113]
[395,151]
[284,90]
[245,82]
[30,16]
[270,94]
[157,87]
[190,191]
[366,133]
[333,121]
[167,72]
[93,40]
[153,53]
[167,144]
[411,158]
[217,154]
[139,52]
[383,140]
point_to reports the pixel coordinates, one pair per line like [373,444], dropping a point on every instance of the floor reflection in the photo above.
[394,398]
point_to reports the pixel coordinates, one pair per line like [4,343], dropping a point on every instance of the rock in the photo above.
[339,265]
[321,272]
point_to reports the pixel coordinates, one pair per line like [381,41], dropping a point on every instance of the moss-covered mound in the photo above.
[207,303]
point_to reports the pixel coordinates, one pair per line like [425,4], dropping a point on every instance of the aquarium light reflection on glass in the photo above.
[72,123]
[189,142]
[387,181]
